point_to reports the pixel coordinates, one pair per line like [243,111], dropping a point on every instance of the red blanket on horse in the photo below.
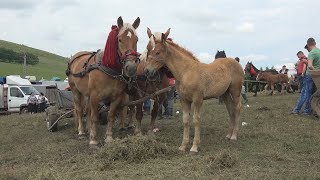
[111,57]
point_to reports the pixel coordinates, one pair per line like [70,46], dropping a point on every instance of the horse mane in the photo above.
[127,26]
[183,50]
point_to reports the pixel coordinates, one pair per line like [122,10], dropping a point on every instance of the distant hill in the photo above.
[50,65]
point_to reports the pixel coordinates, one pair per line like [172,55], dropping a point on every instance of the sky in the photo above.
[266,32]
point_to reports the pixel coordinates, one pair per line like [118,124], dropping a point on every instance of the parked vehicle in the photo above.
[14,94]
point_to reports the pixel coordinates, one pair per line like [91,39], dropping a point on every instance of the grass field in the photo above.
[273,145]
[49,65]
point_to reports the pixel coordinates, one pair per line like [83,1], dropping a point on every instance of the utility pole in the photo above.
[24,65]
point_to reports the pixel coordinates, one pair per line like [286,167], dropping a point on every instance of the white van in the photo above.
[14,97]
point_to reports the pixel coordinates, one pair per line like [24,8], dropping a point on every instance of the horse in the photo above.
[253,72]
[196,81]
[96,85]
[144,86]
[273,79]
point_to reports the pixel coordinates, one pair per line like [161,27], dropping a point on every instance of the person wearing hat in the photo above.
[314,54]
[307,87]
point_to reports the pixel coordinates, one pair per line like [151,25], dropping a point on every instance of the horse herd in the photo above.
[146,73]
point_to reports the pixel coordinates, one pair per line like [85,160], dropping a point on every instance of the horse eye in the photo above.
[120,40]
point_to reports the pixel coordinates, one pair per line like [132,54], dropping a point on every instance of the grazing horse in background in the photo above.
[196,81]
[104,84]
[273,79]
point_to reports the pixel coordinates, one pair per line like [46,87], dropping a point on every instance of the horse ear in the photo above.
[149,32]
[120,22]
[163,37]
[136,23]
[167,33]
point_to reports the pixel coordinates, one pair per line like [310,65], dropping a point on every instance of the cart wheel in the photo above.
[51,117]
[315,103]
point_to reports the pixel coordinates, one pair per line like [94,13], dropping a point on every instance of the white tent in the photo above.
[17,80]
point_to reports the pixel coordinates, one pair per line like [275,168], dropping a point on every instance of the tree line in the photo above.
[10,56]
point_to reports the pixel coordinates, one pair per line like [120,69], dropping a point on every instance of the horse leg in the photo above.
[228,106]
[93,100]
[139,116]
[78,104]
[186,108]
[122,115]
[130,117]
[154,113]
[272,89]
[197,125]
[111,117]
[233,104]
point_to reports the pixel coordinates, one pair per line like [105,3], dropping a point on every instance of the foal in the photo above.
[196,81]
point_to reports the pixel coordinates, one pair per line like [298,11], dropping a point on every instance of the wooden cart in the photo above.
[315,99]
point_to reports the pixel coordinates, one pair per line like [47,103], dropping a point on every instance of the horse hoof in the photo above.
[93,143]
[228,137]
[82,136]
[108,140]
[234,138]
[182,148]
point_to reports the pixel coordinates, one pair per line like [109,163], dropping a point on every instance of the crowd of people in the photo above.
[304,65]
[36,104]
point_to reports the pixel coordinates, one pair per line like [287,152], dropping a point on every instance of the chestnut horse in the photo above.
[98,86]
[273,79]
[146,86]
[196,81]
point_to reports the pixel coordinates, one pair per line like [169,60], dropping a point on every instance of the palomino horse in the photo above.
[148,85]
[98,86]
[196,82]
[273,79]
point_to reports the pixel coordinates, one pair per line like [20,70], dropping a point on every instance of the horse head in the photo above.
[156,52]
[127,46]
[248,67]
[220,54]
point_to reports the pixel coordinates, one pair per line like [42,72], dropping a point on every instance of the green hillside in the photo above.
[49,65]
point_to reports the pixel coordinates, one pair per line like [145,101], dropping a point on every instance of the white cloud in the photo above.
[245,27]
[205,57]
[254,58]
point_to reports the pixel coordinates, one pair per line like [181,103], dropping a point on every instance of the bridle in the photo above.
[125,57]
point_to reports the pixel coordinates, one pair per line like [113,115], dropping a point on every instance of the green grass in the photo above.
[273,145]
[49,64]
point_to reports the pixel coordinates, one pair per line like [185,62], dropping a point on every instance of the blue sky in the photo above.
[269,33]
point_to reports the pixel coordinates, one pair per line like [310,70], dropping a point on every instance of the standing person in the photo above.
[313,63]
[32,103]
[283,70]
[301,67]
[42,102]
[147,106]
[170,99]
